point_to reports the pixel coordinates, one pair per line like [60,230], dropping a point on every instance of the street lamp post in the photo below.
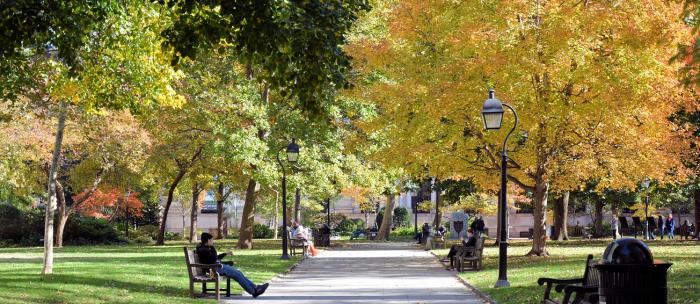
[292,157]
[645,186]
[492,113]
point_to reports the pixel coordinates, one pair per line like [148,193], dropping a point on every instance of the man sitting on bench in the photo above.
[471,242]
[207,255]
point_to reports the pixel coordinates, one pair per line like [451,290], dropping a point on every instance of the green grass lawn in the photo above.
[121,274]
[567,261]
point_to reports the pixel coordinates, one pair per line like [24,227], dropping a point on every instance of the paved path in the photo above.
[368,273]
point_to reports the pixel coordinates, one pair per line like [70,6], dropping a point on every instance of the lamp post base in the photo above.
[284,257]
[502,283]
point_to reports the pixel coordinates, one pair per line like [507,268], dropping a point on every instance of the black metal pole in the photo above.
[285,252]
[503,242]
[646,217]
[415,220]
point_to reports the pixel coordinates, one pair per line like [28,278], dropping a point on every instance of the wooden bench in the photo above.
[638,226]
[585,289]
[439,241]
[205,273]
[471,256]
[625,228]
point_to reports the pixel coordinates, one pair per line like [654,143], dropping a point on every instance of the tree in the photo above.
[439,58]
[84,43]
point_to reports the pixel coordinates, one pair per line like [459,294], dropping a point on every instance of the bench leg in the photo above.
[204,288]
[191,289]
[218,291]
[228,287]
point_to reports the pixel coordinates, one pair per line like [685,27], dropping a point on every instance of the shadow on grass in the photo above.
[70,279]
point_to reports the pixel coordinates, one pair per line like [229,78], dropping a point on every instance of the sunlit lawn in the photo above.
[121,274]
[567,261]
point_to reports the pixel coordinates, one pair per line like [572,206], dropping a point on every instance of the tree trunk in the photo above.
[198,195]
[62,214]
[183,167]
[245,239]
[385,227]
[539,238]
[297,206]
[561,207]
[184,223]
[697,213]
[220,198]
[51,202]
[275,218]
[226,227]
[599,218]
[160,240]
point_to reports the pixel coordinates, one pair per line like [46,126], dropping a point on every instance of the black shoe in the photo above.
[260,289]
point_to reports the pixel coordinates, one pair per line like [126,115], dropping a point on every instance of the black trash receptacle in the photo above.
[322,237]
[629,274]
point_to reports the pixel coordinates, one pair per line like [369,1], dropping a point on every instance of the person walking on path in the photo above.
[670,226]
[661,226]
[207,255]
[614,223]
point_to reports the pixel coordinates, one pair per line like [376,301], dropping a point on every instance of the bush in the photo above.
[261,231]
[359,223]
[403,231]
[401,217]
[82,230]
[171,236]
[20,227]
[346,227]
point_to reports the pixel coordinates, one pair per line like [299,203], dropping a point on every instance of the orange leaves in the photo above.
[109,203]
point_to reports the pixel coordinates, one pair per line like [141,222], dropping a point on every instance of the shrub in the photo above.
[21,227]
[403,231]
[359,223]
[346,227]
[82,230]
[261,231]
[170,236]
[401,217]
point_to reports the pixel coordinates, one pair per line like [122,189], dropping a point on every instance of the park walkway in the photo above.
[368,273]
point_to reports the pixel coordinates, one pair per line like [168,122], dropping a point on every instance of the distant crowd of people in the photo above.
[664,228]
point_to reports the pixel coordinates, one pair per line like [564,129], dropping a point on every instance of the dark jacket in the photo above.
[207,255]
[661,223]
[471,242]
[480,225]
[670,224]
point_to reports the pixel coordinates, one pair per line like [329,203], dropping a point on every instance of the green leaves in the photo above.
[296,43]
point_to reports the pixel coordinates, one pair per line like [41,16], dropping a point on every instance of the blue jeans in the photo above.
[239,277]
[670,233]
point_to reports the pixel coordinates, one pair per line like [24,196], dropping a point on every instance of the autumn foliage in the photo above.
[110,203]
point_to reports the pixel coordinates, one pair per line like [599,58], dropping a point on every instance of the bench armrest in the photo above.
[211,266]
[580,291]
[557,283]
[542,281]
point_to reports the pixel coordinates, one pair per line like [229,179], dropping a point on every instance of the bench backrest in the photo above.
[637,221]
[191,257]
[591,277]
[623,222]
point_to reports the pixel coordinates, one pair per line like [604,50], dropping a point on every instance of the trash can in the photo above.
[322,237]
[629,274]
